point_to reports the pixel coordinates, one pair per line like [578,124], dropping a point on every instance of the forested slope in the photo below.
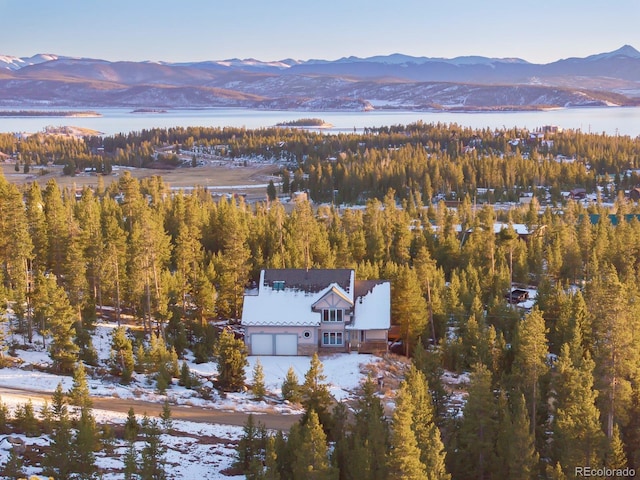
[551,390]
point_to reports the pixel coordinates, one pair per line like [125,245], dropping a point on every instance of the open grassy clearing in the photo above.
[208,175]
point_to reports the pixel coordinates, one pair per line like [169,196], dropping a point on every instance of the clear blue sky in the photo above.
[193,30]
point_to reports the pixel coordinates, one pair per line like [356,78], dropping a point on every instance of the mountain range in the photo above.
[381,82]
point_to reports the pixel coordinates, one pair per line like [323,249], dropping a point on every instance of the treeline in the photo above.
[419,160]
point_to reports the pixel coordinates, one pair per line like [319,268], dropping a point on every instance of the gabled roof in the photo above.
[286,308]
[291,303]
[334,288]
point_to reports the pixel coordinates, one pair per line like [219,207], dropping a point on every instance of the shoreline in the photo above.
[46,113]
[623,120]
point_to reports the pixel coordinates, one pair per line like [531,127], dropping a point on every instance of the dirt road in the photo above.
[272,421]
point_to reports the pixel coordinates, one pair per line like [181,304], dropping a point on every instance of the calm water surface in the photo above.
[612,121]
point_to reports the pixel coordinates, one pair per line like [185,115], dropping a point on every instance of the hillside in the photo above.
[381,82]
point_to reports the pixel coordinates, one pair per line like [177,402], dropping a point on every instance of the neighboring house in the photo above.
[577,193]
[517,295]
[300,312]
[523,231]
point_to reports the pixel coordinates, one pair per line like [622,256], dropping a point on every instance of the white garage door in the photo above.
[286,344]
[261,344]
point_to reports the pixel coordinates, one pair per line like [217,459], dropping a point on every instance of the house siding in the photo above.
[375,335]
[369,341]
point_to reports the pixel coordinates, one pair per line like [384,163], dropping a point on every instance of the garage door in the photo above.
[286,344]
[261,344]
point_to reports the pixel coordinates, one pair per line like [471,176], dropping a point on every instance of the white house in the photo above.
[300,312]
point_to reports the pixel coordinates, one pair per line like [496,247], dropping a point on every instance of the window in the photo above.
[306,334]
[332,315]
[278,285]
[332,338]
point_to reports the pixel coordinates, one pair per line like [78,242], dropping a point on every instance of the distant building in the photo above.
[299,196]
[517,296]
[523,231]
[526,198]
[578,193]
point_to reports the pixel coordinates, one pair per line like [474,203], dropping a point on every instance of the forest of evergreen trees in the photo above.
[418,161]
[551,390]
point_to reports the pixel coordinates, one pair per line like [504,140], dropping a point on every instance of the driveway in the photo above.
[273,421]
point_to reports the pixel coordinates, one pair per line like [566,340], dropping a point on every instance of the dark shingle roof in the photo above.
[313,280]
[362,287]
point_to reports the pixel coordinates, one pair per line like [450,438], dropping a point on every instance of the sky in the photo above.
[268,30]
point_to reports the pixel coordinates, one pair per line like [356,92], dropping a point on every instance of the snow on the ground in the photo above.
[343,371]
[456,385]
[198,450]
[343,374]
[451,378]
[194,450]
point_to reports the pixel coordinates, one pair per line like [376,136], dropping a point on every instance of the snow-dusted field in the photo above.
[196,450]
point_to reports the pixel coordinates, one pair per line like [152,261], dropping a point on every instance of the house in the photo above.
[301,312]
[578,193]
[523,231]
[517,295]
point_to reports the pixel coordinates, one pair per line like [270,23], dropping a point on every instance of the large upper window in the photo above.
[332,338]
[332,315]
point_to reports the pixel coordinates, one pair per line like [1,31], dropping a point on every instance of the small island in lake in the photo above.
[305,123]
[148,110]
[48,113]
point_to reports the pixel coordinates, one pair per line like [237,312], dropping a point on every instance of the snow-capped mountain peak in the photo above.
[10,63]
[624,51]
[15,63]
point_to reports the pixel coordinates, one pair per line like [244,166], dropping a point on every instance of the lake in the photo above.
[612,120]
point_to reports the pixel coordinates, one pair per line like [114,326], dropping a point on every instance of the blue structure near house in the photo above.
[594,218]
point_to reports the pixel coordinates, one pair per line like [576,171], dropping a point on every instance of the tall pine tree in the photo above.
[404,455]
[530,359]
[432,454]
[311,455]
[474,454]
